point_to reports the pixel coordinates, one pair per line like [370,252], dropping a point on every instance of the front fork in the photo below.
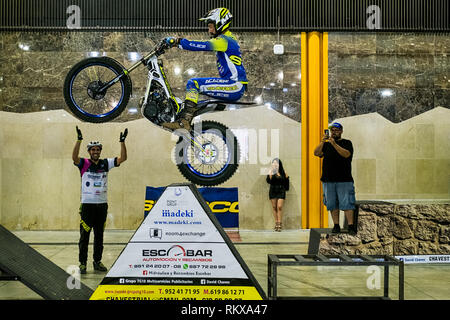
[109,84]
[125,72]
[190,139]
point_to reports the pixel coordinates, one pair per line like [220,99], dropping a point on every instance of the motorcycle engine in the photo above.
[158,109]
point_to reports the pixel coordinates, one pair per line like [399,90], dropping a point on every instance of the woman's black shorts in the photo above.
[277,192]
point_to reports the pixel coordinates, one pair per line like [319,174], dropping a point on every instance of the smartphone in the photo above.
[327,133]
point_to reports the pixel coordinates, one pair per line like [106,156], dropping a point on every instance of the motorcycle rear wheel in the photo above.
[214,156]
[84,99]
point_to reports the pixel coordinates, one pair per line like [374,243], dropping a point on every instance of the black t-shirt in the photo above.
[335,167]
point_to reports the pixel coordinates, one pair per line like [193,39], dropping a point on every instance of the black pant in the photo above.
[93,216]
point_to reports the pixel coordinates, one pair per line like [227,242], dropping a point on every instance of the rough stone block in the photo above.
[407,211]
[379,209]
[405,247]
[434,212]
[401,229]
[426,230]
[384,227]
[367,228]
[444,234]
[427,248]
[344,239]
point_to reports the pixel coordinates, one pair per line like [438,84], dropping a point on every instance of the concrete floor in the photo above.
[422,281]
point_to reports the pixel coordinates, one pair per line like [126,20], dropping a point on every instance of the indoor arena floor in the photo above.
[422,281]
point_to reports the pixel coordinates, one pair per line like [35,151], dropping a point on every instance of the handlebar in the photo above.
[158,50]
[161,47]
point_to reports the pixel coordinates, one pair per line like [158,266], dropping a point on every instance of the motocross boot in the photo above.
[184,119]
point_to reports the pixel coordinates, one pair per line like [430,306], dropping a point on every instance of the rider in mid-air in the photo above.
[233,79]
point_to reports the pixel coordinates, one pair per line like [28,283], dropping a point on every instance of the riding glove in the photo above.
[172,42]
[80,136]
[123,135]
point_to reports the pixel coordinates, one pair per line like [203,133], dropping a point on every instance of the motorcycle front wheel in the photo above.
[83,93]
[211,155]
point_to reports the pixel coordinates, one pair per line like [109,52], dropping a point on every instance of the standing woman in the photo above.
[279,184]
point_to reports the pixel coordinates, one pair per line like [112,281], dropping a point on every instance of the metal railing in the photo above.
[249,15]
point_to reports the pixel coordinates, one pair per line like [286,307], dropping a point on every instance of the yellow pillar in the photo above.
[314,72]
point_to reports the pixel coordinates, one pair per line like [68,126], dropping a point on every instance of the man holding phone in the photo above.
[337,180]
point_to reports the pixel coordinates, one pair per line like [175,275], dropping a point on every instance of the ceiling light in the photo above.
[258,99]
[386,93]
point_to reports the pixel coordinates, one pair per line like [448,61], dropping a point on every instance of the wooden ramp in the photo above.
[18,261]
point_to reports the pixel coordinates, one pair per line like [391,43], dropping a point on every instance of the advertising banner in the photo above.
[223,202]
[425,258]
[180,251]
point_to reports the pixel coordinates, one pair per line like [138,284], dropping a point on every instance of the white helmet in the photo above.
[94,144]
[221,17]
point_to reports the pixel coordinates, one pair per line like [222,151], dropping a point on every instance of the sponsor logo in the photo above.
[94,176]
[236,60]
[158,233]
[177,214]
[219,88]
[155,233]
[177,222]
[224,206]
[424,258]
[439,258]
[196,45]
[215,206]
[216,282]
[176,251]
[216,81]
[171,203]
[185,234]
[149,205]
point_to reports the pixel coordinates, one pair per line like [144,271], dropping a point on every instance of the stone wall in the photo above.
[395,229]
[33,66]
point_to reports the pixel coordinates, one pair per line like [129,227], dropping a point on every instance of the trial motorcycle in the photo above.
[98,89]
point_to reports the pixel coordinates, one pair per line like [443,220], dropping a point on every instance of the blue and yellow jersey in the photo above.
[228,52]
